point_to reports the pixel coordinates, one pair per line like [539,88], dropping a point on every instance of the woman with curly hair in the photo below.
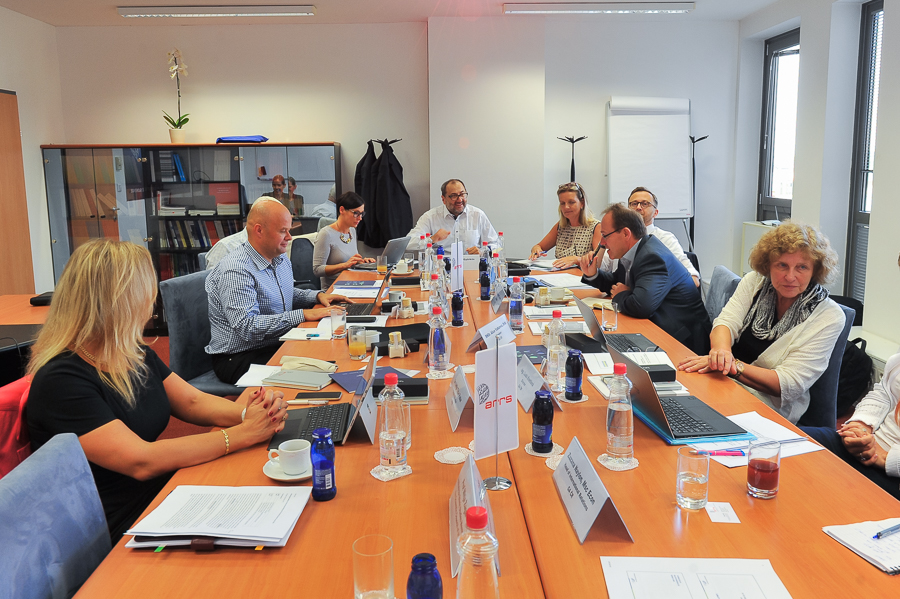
[776,333]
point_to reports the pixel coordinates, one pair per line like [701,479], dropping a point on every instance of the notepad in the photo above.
[882,553]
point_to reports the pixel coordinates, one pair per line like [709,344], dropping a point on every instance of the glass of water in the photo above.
[609,317]
[373,567]
[692,480]
[556,368]
[338,323]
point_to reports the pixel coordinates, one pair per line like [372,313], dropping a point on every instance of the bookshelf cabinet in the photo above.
[176,200]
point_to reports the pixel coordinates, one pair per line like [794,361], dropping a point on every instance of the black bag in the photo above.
[856,376]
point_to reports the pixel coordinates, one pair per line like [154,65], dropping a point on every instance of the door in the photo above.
[16,268]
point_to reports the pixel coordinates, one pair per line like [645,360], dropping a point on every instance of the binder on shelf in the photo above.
[179,166]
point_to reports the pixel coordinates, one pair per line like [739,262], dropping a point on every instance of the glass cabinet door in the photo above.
[313,170]
[131,208]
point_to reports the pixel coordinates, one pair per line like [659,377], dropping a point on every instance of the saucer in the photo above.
[274,471]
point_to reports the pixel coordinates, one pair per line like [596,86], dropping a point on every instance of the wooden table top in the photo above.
[15,309]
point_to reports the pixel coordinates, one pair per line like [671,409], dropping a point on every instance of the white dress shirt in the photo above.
[473,226]
[669,240]
[223,247]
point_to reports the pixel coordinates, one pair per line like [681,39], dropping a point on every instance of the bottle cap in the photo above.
[437,310]
[496,254]
[557,314]
[390,378]
[619,368]
[421,237]
[429,244]
[518,280]
[476,518]
[500,233]
[574,352]
[434,277]
[483,243]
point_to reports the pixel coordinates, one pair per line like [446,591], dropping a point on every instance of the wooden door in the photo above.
[16,270]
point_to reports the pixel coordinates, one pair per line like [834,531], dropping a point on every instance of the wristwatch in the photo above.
[739,366]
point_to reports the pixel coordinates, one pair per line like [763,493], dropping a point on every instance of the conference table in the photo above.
[540,556]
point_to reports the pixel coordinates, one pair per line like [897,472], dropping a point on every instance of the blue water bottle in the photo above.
[574,372]
[424,580]
[322,457]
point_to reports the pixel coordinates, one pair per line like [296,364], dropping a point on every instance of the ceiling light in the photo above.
[182,12]
[595,8]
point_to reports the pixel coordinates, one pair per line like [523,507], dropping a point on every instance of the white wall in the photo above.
[345,83]
[30,68]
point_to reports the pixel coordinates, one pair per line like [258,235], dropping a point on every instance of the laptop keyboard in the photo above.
[679,420]
[620,343]
[332,416]
[358,309]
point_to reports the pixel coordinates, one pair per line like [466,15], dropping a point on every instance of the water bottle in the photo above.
[424,580]
[504,269]
[486,254]
[437,296]
[322,457]
[556,331]
[456,305]
[574,370]
[426,267]
[496,282]
[516,306]
[542,422]
[477,549]
[620,417]
[392,435]
[448,270]
[421,256]
[438,342]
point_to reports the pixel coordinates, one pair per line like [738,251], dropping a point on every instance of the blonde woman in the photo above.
[577,232]
[94,376]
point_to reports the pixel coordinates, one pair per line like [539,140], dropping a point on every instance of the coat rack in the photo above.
[572,140]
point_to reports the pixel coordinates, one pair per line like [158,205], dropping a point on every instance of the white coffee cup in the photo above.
[396,296]
[292,456]
[557,293]
[402,268]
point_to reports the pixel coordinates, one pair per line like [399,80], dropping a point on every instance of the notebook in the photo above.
[598,341]
[882,553]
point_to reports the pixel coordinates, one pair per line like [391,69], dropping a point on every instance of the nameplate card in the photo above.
[496,417]
[470,262]
[528,382]
[457,397]
[456,266]
[497,332]
[468,492]
[497,304]
[582,492]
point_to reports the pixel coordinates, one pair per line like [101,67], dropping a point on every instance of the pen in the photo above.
[721,452]
[309,336]
[887,532]
[307,402]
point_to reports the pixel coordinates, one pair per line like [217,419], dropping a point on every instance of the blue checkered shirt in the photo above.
[253,302]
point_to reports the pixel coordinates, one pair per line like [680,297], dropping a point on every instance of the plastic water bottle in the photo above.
[477,549]
[448,270]
[438,342]
[322,457]
[426,266]
[504,269]
[486,254]
[392,434]
[574,372]
[437,296]
[620,417]
[516,306]
[542,422]
[424,580]
[556,331]
[496,281]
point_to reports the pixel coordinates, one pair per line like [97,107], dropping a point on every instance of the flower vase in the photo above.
[176,135]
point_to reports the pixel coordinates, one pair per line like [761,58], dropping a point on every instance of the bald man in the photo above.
[252,299]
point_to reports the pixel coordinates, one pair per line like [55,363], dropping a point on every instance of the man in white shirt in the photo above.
[455,215]
[326,209]
[644,202]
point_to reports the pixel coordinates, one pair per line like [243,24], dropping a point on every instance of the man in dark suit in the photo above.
[649,282]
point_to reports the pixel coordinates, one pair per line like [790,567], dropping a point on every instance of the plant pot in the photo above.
[176,135]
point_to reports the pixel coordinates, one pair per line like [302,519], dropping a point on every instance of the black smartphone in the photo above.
[329,395]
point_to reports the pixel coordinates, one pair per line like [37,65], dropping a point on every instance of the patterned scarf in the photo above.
[762,314]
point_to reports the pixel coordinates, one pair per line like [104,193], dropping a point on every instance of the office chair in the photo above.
[187,313]
[54,532]
[301,262]
[324,222]
[722,285]
[822,410]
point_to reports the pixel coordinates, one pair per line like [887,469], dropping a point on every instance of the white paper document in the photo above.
[576,326]
[536,313]
[258,514]
[689,578]
[883,553]
[254,377]
[562,280]
[359,292]
[721,511]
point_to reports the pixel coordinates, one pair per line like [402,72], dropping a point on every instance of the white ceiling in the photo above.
[82,13]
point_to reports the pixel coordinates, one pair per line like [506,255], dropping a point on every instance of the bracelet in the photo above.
[243,414]
[227,443]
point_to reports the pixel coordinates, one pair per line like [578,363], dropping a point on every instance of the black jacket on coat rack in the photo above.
[389,215]
[364,185]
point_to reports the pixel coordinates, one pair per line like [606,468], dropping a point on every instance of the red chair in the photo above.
[15,445]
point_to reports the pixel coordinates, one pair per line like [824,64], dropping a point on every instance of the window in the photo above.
[779,126]
[862,175]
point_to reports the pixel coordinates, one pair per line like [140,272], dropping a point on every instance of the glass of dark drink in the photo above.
[763,469]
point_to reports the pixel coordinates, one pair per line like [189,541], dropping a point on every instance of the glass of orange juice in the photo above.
[356,337]
[381,264]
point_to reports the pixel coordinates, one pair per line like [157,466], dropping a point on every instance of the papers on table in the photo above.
[578,326]
[562,280]
[601,363]
[545,264]
[245,516]
[538,313]
[686,578]
[883,553]
[763,429]
[359,292]
[596,302]
[254,377]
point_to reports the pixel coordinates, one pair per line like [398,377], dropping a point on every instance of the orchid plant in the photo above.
[177,69]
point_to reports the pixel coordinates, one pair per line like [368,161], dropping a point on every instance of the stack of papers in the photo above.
[578,326]
[238,516]
[601,364]
[883,553]
[536,313]
[562,280]
[763,429]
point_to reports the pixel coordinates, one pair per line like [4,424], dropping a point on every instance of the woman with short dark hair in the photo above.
[336,248]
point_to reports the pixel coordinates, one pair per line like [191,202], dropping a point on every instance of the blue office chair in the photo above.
[54,532]
[187,315]
[822,410]
[722,285]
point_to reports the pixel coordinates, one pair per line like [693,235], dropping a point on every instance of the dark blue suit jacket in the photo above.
[663,292]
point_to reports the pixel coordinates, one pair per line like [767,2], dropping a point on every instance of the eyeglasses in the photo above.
[571,187]
[641,205]
[458,196]
[358,213]
[605,235]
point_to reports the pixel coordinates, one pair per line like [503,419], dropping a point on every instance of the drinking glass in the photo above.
[338,323]
[609,317]
[763,468]
[692,478]
[407,424]
[357,342]
[381,264]
[556,364]
[373,567]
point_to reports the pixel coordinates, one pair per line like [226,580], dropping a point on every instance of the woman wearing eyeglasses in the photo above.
[575,234]
[336,249]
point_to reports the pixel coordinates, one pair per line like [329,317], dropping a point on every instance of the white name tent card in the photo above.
[528,382]
[583,493]
[497,304]
[456,267]
[496,417]
[468,492]
[470,262]
[497,332]
[457,397]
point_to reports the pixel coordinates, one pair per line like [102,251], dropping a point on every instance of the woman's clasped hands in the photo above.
[266,414]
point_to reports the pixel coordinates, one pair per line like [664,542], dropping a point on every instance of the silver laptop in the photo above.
[598,341]
[393,251]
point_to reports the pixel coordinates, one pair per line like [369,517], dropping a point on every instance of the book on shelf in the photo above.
[212,232]
[198,212]
[166,167]
[172,211]
[179,166]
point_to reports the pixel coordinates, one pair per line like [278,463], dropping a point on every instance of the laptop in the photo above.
[598,341]
[393,251]
[339,417]
[360,309]
[679,419]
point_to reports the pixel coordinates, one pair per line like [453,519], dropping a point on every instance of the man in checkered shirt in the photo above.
[252,298]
